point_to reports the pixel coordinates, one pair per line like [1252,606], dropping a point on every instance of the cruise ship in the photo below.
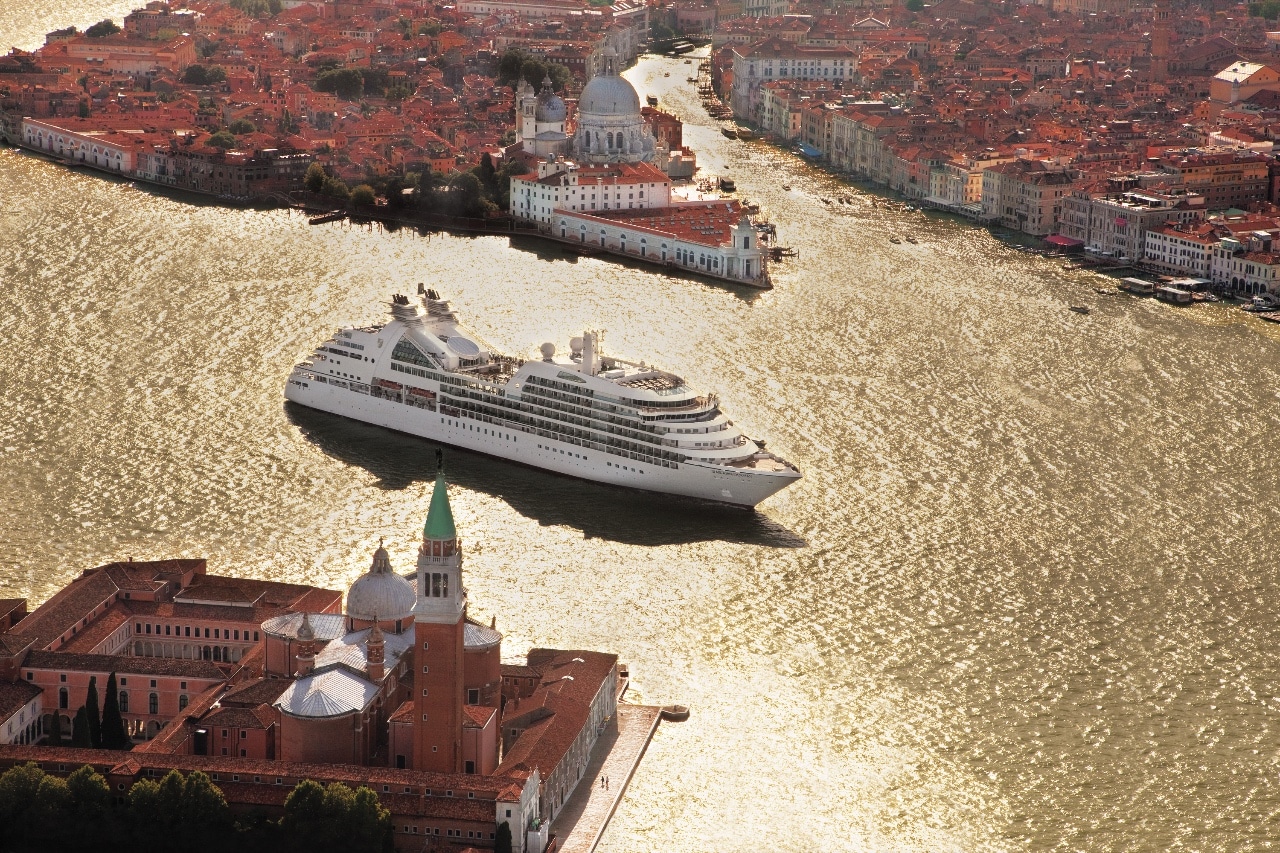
[583,414]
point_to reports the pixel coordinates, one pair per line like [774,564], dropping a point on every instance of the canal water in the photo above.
[1025,597]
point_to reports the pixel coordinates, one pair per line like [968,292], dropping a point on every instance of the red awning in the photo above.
[1063,242]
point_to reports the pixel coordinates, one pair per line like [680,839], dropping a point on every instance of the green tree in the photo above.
[223,139]
[202,810]
[361,196]
[370,823]
[242,125]
[54,735]
[80,736]
[304,815]
[144,814]
[82,109]
[114,734]
[19,788]
[397,92]
[195,75]
[315,178]
[53,807]
[93,713]
[90,806]
[346,83]
[335,188]
[467,194]
[502,839]
[103,28]
[169,800]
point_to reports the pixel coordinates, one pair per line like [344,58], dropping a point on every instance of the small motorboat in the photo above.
[1080,309]
[786,187]
[912,240]
[675,713]
[894,240]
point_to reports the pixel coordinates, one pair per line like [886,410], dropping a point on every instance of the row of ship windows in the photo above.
[591,434]
[591,439]
[584,458]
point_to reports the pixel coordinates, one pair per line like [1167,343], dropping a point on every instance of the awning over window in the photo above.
[1063,242]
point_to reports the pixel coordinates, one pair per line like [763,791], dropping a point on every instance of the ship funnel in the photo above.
[589,363]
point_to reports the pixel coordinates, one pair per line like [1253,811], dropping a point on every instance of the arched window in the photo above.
[62,697]
[609,141]
[182,702]
[153,704]
[123,699]
[217,653]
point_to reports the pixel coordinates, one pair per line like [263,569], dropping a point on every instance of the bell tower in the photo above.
[438,617]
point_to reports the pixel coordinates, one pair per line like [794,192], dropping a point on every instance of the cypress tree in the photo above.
[502,842]
[80,730]
[94,714]
[114,735]
[54,735]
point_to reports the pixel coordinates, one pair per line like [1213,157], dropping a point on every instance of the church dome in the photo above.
[380,593]
[551,109]
[609,95]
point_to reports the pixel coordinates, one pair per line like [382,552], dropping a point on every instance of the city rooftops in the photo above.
[1239,72]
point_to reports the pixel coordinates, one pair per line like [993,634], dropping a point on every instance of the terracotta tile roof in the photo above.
[15,644]
[256,691]
[260,717]
[704,223]
[215,589]
[477,716]
[67,607]
[97,631]
[570,680]
[403,714]
[123,665]
[9,606]
[14,695]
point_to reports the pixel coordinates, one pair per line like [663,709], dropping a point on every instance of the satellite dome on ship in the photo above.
[380,593]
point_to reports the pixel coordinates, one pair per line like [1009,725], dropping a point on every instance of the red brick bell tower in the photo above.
[438,648]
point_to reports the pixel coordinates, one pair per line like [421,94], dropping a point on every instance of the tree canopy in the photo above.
[93,713]
[516,65]
[39,811]
[102,29]
[203,75]
[223,139]
[346,83]
[114,733]
[314,179]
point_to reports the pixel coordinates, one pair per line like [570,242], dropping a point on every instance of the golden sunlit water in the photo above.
[1025,597]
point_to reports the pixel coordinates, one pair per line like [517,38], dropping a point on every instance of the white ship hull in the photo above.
[706,481]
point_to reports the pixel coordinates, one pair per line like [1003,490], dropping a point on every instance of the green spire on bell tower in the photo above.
[439,524]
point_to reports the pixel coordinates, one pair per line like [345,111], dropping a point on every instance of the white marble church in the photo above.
[609,124]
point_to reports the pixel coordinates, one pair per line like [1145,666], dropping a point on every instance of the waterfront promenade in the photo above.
[582,822]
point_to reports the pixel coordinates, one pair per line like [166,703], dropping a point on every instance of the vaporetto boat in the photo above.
[586,414]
